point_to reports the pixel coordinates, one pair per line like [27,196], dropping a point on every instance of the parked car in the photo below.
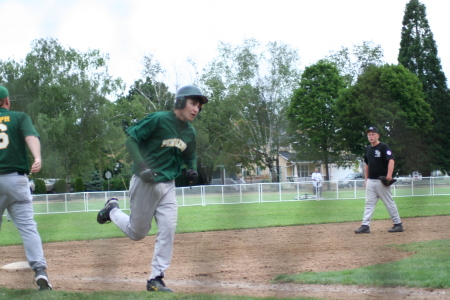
[351,179]
[49,184]
[417,176]
[31,185]
[404,179]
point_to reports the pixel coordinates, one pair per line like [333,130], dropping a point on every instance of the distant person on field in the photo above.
[379,161]
[316,178]
[161,144]
[16,133]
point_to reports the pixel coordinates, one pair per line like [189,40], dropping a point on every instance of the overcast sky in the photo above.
[174,30]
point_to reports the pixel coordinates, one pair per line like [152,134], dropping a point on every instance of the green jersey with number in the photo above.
[166,144]
[14,127]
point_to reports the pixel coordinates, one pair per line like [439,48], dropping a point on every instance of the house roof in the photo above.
[288,156]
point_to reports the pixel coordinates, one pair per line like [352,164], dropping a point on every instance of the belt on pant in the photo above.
[18,173]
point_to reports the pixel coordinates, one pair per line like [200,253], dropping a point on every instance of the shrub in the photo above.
[78,185]
[39,186]
[60,186]
[116,184]
[96,184]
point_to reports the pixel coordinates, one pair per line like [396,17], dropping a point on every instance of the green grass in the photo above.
[428,268]
[83,225]
[61,295]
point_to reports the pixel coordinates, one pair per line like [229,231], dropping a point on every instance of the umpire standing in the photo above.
[17,132]
[379,162]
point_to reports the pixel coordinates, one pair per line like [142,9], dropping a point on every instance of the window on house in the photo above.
[303,171]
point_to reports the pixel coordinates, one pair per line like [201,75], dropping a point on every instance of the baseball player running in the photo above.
[379,162]
[16,133]
[160,145]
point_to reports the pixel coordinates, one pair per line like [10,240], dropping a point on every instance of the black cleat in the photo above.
[397,228]
[363,229]
[103,215]
[41,279]
[157,285]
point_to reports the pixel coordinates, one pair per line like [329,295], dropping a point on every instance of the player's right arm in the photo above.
[143,170]
[133,148]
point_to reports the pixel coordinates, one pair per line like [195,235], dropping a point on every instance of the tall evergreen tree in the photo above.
[418,53]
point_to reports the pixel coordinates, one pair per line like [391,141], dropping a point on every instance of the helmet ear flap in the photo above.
[180,102]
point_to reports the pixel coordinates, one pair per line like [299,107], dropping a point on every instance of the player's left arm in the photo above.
[391,164]
[34,145]
[190,160]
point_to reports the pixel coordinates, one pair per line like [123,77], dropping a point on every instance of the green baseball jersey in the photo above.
[14,127]
[166,144]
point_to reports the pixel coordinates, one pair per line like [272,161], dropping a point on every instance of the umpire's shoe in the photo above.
[41,279]
[157,285]
[397,228]
[103,215]
[363,229]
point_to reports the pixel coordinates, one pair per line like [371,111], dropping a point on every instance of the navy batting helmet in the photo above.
[189,91]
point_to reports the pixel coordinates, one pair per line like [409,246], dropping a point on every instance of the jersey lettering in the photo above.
[4,139]
[5,119]
[177,143]
[377,153]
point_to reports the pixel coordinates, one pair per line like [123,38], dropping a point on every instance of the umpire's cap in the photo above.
[373,129]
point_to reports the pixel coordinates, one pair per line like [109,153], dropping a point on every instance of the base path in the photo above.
[235,262]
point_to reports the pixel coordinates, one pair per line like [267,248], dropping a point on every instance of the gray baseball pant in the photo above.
[148,200]
[15,196]
[376,190]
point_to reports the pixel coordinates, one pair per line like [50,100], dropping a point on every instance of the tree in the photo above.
[312,114]
[418,53]
[390,98]
[96,183]
[249,87]
[66,93]
[352,63]
[144,97]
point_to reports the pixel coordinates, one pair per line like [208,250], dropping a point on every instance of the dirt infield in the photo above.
[235,262]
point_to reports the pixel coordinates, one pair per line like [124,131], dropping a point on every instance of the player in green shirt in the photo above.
[16,133]
[160,145]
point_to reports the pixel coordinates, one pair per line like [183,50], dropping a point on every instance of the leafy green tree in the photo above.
[419,54]
[352,62]
[66,94]
[390,98]
[312,114]
[249,87]
[144,97]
